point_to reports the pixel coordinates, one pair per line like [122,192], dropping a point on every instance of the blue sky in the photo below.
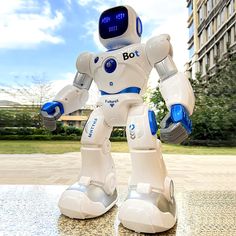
[44,37]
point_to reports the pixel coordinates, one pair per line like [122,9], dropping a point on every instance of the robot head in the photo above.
[119,26]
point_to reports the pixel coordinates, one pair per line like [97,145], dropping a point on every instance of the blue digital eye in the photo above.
[120,16]
[106,19]
[113,28]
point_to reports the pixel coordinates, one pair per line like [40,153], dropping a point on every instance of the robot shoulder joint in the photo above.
[83,63]
[158,48]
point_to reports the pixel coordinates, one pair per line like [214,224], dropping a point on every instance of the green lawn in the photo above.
[10,147]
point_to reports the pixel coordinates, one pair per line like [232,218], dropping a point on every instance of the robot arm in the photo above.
[71,97]
[175,89]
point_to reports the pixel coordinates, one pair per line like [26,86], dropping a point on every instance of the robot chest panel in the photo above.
[120,68]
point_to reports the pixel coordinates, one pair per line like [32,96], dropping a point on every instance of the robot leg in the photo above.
[95,192]
[150,204]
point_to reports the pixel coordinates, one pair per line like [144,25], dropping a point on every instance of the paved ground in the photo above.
[30,206]
[189,172]
[32,210]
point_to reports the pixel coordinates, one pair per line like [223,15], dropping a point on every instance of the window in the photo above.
[208,59]
[190,8]
[209,6]
[221,47]
[218,21]
[231,8]
[233,35]
[200,66]
[201,14]
[211,58]
[201,39]
[213,26]
[209,31]
[191,30]
[229,37]
[222,16]
[218,50]
[191,51]
[71,123]
[233,30]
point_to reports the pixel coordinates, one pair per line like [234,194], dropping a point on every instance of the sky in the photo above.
[43,38]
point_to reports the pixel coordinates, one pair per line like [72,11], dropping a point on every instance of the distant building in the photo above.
[212,32]
[77,118]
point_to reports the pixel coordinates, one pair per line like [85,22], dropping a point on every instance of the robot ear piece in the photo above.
[139,26]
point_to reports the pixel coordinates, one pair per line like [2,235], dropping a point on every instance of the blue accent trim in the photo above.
[152,122]
[139,26]
[49,107]
[126,90]
[180,114]
[110,65]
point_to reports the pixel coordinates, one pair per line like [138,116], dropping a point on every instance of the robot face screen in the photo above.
[113,22]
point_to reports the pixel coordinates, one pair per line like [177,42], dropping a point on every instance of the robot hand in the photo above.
[51,112]
[176,125]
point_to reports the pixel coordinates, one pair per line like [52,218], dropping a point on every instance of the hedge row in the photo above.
[211,143]
[52,137]
[61,130]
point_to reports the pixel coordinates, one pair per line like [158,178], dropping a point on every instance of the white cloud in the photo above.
[24,24]
[99,5]
[92,31]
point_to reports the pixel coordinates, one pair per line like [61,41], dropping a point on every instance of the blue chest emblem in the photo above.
[110,65]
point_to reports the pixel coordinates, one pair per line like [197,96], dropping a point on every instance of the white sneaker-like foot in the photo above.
[82,202]
[148,213]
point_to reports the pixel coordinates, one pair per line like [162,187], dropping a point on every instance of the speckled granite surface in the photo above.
[32,210]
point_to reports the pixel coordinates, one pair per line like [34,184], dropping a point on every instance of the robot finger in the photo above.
[166,121]
[175,133]
[50,120]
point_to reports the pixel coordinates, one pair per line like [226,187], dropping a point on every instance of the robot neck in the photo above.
[117,45]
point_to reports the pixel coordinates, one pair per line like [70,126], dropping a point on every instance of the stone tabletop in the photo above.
[32,210]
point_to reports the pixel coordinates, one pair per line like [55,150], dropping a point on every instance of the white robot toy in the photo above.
[121,74]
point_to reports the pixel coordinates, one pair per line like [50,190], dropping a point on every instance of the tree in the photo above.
[35,93]
[214,117]
[158,103]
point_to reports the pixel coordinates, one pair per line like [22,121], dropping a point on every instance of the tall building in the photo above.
[212,33]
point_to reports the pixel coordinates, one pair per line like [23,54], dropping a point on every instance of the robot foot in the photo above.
[82,202]
[147,212]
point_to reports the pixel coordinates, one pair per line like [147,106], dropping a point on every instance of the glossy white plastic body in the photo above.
[117,108]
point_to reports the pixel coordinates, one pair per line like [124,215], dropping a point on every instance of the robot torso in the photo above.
[121,70]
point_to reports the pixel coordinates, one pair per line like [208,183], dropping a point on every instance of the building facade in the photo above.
[212,33]
[77,118]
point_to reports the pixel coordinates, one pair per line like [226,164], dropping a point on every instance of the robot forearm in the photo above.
[176,89]
[174,86]
[179,98]
[73,97]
